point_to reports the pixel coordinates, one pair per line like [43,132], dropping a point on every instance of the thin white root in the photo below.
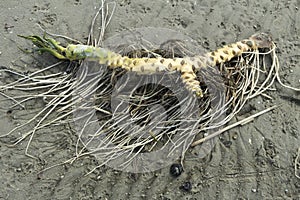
[241,122]
[117,135]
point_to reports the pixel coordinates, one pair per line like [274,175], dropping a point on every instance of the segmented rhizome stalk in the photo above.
[187,66]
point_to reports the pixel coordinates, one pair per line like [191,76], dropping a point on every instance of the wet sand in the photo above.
[255,161]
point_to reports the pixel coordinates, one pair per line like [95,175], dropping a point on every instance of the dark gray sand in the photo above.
[255,161]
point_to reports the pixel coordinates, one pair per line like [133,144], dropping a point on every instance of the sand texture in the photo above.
[255,161]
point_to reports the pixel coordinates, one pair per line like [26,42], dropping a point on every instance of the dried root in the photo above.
[138,122]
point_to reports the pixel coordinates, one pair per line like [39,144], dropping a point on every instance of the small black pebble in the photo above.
[186,186]
[227,143]
[176,170]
